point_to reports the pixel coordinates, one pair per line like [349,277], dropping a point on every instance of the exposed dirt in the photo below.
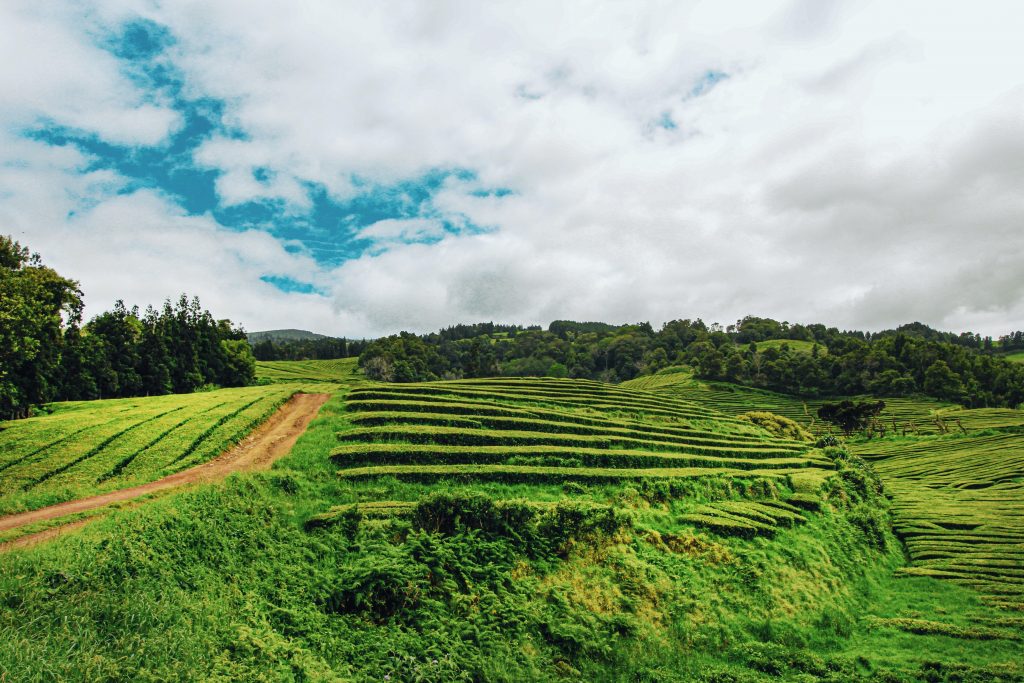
[29,540]
[268,442]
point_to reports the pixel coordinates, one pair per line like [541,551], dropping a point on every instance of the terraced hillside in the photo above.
[913,415]
[89,447]
[504,530]
[550,431]
[338,370]
[959,507]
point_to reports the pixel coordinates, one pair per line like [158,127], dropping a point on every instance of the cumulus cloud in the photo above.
[55,71]
[852,163]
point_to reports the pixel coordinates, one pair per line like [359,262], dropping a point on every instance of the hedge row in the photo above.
[426,454]
[440,419]
[458,436]
[538,475]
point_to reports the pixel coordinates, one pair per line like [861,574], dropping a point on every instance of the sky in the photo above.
[360,168]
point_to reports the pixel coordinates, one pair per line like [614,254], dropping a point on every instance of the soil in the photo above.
[268,442]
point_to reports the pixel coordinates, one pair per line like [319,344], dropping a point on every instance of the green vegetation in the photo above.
[506,530]
[46,354]
[1016,357]
[341,370]
[901,415]
[777,425]
[810,361]
[301,345]
[794,345]
[958,507]
[77,449]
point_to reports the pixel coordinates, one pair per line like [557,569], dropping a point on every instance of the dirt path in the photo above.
[268,442]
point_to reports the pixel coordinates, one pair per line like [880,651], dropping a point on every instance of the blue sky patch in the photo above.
[327,230]
[708,81]
[291,285]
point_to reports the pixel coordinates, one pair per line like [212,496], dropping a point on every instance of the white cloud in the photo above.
[53,70]
[860,166]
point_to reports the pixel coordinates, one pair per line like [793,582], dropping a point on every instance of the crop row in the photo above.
[745,519]
[512,424]
[427,454]
[586,389]
[307,370]
[626,402]
[468,436]
[574,422]
[150,437]
[957,506]
[545,475]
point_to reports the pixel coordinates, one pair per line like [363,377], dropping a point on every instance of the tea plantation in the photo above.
[537,530]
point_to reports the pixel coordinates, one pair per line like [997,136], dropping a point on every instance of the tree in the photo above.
[940,381]
[239,367]
[850,416]
[36,304]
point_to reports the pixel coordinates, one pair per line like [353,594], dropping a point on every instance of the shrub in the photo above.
[379,584]
[449,513]
[777,425]
[570,522]
[873,522]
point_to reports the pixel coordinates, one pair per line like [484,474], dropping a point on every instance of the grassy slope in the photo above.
[619,580]
[87,447]
[1016,357]
[957,506]
[917,415]
[796,346]
[340,370]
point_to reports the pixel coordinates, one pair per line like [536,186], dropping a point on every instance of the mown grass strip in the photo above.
[517,474]
[460,436]
[522,424]
[425,454]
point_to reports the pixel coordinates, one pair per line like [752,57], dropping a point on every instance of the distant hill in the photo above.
[283,335]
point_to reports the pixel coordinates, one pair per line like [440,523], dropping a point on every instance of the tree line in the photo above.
[48,354]
[910,360]
[322,348]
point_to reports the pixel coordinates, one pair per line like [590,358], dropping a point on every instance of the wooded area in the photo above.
[47,354]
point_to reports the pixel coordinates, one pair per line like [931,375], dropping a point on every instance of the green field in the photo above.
[543,530]
[922,416]
[1016,357]
[340,370]
[88,447]
[796,346]
[959,507]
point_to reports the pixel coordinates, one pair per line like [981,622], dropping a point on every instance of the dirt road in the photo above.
[268,442]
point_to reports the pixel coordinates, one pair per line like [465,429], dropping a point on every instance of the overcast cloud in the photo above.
[377,166]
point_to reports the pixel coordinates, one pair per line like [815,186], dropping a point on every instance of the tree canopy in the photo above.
[47,354]
[811,360]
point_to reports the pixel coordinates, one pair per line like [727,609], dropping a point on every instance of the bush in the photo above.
[777,425]
[379,584]
[873,522]
[571,522]
[448,513]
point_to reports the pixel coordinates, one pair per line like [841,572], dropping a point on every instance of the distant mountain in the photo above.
[283,335]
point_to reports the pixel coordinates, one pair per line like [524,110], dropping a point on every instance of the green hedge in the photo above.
[442,419]
[372,453]
[540,475]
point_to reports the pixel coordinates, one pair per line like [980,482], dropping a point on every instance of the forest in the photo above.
[48,354]
[321,348]
[808,360]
